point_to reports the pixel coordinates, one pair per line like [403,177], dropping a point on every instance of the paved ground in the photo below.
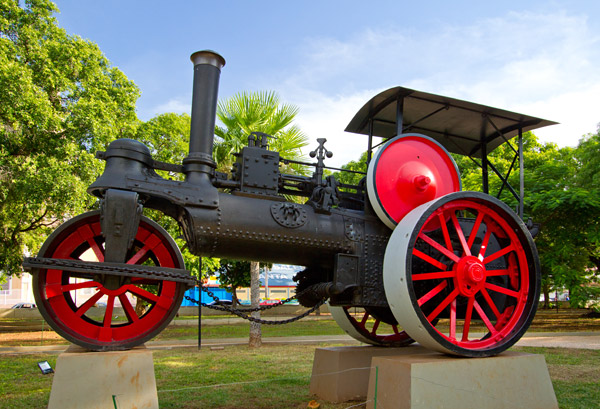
[583,340]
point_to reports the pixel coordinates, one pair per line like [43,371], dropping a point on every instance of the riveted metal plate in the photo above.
[354,229]
[289,215]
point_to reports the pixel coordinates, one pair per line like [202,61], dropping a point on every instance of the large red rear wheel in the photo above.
[462,276]
[75,318]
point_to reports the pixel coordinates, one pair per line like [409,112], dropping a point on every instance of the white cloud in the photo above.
[177,105]
[542,65]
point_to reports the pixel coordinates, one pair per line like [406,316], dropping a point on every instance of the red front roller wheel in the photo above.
[73,316]
[462,275]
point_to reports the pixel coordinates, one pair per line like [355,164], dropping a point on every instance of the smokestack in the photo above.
[207,70]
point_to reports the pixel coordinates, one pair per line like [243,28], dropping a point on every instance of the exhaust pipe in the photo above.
[199,165]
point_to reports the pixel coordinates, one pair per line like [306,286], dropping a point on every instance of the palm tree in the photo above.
[242,114]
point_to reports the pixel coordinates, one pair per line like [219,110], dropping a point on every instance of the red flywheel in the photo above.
[407,171]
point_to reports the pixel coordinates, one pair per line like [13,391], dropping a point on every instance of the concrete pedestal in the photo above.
[341,374]
[417,378]
[425,381]
[103,380]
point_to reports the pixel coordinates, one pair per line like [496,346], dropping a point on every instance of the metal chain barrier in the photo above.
[242,312]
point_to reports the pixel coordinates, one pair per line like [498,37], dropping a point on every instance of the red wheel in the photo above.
[462,275]
[366,327]
[75,319]
[409,170]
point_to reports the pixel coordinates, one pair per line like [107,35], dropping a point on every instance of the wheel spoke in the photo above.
[447,240]
[443,305]
[439,247]
[498,254]
[76,286]
[128,308]
[468,316]
[433,276]
[485,318]
[475,228]
[88,304]
[110,305]
[149,245]
[432,293]
[490,302]
[494,273]
[375,326]
[140,292]
[87,234]
[502,290]
[484,244]
[429,259]
[461,235]
[452,333]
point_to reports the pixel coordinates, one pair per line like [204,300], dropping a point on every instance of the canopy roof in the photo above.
[460,126]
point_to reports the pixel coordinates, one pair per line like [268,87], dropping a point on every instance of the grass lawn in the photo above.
[11,333]
[273,376]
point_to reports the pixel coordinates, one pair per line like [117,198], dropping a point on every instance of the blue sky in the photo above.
[539,58]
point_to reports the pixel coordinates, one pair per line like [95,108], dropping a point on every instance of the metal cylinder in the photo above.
[207,70]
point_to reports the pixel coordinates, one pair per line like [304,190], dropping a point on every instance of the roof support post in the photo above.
[484,158]
[521,174]
[370,148]
[399,114]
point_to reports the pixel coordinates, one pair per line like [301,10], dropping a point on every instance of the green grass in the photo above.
[299,328]
[273,376]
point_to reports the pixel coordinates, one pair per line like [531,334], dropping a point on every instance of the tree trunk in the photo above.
[546,291]
[234,300]
[255,332]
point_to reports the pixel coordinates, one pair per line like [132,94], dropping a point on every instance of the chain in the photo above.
[128,270]
[260,308]
[241,312]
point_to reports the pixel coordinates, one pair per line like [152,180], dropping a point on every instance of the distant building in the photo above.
[16,290]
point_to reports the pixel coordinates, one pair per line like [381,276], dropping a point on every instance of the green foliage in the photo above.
[350,178]
[248,112]
[234,274]
[61,100]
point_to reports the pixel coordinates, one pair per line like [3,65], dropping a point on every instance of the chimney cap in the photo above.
[208,57]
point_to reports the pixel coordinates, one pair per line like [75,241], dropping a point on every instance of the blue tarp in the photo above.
[220,293]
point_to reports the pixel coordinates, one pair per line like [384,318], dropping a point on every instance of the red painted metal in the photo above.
[466,277]
[84,241]
[412,170]
[374,332]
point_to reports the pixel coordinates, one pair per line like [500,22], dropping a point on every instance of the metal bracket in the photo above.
[119,219]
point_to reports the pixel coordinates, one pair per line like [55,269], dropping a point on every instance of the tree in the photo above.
[61,101]
[241,115]
[234,274]
[559,199]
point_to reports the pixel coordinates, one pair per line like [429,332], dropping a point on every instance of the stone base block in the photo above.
[120,379]
[422,380]
[341,374]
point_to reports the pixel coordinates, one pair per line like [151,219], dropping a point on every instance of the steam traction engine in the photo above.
[421,259]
